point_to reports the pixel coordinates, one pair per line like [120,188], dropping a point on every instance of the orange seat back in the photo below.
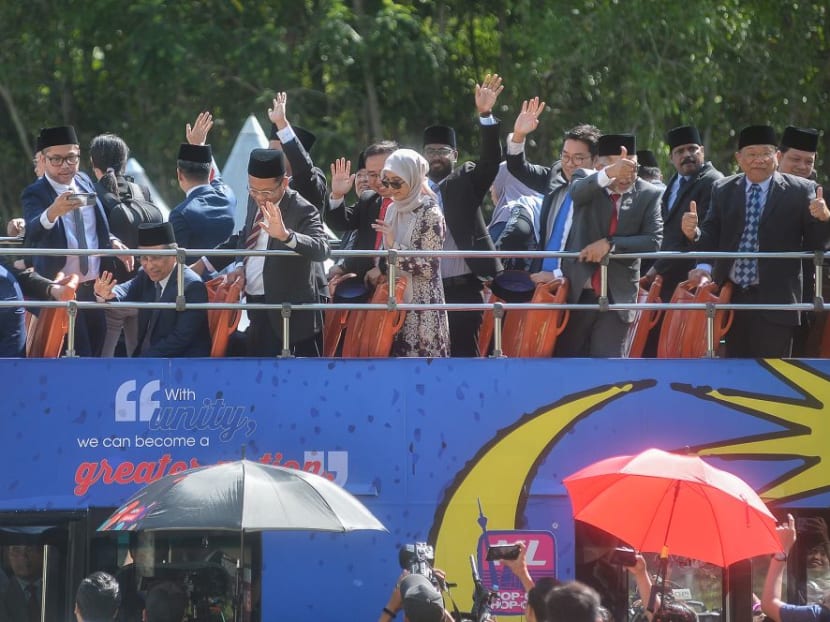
[644,321]
[485,333]
[694,339]
[533,333]
[824,347]
[222,322]
[670,344]
[50,327]
[369,334]
[335,319]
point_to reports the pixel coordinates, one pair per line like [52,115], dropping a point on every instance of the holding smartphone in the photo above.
[502,551]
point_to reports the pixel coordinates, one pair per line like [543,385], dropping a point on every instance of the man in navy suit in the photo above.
[205,218]
[759,209]
[162,332]
[56,217]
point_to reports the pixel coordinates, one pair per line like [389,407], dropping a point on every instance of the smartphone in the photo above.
[502,551]
[623,556]
[84,198]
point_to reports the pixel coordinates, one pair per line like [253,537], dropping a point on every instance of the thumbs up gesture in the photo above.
[624,170]
[818,207]
[689,223]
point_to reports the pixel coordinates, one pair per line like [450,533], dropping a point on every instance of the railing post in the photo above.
[286,337]
[72,311]
[818,298]
[603,283]
[180,264]
[498,317]
[710,330]
[391,269]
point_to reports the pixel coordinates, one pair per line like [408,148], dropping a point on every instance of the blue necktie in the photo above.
[556,241]
[681,183]
[746,269]
[437,190]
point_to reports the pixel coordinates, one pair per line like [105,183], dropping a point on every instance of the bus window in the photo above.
[204,564]
[30,587]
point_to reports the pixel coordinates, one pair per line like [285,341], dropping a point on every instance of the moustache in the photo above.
[688,161]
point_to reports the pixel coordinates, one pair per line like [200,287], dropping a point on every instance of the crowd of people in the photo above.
[597,199]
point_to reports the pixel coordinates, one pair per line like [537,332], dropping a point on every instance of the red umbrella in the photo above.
[656,499]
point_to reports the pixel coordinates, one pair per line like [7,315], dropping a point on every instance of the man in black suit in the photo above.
[280,220]
[759,209]
[370,206]
[20,598]
[579,150]
[162,332]
[56,217]
[460,193]
[692,181]
[614,211]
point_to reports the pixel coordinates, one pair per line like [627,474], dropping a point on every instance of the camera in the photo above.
[623,556]
[502,551]
[418,559]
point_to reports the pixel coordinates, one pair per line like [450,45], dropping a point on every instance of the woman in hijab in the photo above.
[415,222]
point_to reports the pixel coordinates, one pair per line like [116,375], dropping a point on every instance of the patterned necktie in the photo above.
[612,229]
[384,205]
[746,269]
[80,233]
[253,234]
[558,236]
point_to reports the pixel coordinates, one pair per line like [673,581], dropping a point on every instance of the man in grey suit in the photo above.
[614,211]
[759,209]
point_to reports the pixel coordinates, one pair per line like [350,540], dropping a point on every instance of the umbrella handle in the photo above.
[660,584]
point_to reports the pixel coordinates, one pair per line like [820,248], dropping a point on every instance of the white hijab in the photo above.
[410,166]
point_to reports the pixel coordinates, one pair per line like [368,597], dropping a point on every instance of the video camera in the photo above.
[482,597]
[418,558]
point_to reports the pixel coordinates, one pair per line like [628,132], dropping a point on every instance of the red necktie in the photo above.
[612,229]
[253,234]
[384,205]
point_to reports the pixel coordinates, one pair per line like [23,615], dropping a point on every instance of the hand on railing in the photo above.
[595,251]
[542,277]
[236,277]
[16,227]
[699,277]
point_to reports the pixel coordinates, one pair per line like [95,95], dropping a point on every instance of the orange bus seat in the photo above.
[335,320]
[485,333]
[670,344]
[694,339]
[644,321]
[50,326]
[369,334]
[824,346]
[533,333]
[222,322]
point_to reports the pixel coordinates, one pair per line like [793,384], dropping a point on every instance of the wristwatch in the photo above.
[780,557]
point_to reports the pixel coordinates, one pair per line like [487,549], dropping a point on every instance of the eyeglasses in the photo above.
[438,151]
[396,184]
[72,159]
[762,157]
[268,195]
[579,158]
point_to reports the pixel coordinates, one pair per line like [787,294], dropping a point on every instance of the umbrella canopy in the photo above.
[242,496]
[657,499]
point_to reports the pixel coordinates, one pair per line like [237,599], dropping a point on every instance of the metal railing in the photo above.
[498,308]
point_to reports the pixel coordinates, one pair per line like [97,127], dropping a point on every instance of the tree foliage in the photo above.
[360,70]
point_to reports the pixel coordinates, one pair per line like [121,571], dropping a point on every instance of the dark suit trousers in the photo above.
[464,325]
[592,333]
[752,335]
[91,324]
[262,341]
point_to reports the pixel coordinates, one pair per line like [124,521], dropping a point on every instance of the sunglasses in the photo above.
[395,185]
